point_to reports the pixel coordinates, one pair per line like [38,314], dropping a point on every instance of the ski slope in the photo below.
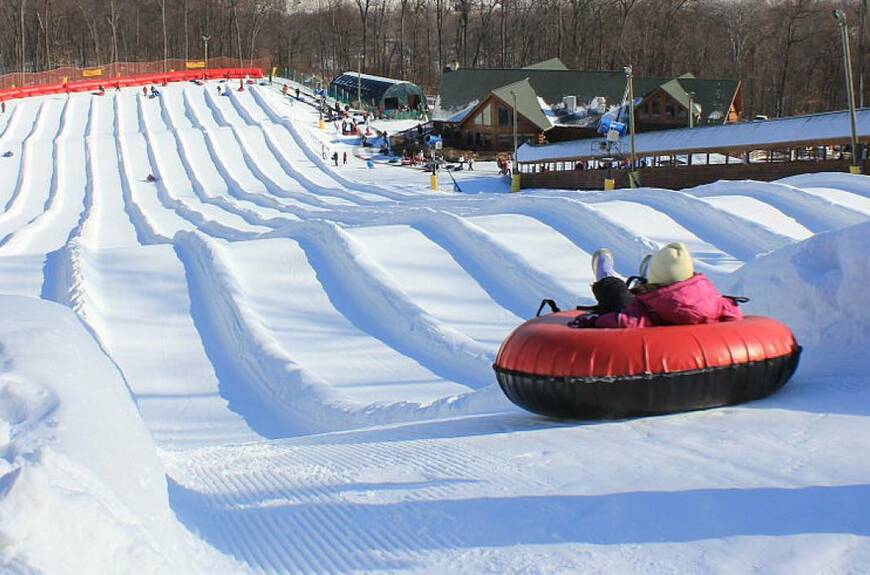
[296,359]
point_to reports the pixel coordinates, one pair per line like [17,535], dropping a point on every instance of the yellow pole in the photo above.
[433,181]
[609,184]
[515,182]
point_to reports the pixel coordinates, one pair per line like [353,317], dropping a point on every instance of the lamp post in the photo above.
[359,82]
[515,173]
[633,177]
[691,109]
[205,40]
[840,17]
[22,42]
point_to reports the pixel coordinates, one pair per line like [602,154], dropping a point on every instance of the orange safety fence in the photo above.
[121,74]
[126,82]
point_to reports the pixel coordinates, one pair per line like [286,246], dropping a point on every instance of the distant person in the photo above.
[335,158]
[2,106]
[219,89]
[470,162]
[7,154]
[150,178]
[344,158]
[298,93]
[144,90]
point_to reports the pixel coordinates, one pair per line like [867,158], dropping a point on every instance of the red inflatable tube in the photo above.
[549,368]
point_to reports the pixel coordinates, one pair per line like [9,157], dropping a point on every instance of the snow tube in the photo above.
[546,367]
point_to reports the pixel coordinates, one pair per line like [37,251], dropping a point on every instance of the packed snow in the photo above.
[222,353]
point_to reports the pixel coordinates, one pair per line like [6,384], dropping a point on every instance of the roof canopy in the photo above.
[551,64]
[827,128]
[527,104]
[464,86]
[372,88]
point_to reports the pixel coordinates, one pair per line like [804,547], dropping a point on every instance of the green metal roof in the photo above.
[527,104]
[551,64]
[461,87]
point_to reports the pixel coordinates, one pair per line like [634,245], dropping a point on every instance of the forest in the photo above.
[787,53]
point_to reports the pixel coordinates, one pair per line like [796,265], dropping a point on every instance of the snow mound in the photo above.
[819,288]
[72,480]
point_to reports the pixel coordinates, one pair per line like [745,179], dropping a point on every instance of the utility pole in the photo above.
[633,176]
[205,40]
[862,34]
[515,172]
[691,109]
[840,17]
[359,82]
[23,2]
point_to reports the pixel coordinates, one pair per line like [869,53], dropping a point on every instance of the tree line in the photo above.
[787,52]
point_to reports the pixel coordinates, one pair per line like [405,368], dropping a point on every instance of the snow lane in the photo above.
[51,229]
[850,200]
[239,155]
[455,299]
[107,224]
[313,156]
[37,174]
[298,396]
[218,180]
[752,209]
[586,227]
[660,228]
[856,184]
[546,249]
[21,126]
[740,238]
[174,187]
[816,213]
[136,301]
[307,326]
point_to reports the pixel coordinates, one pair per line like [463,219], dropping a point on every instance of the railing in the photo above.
[116,70]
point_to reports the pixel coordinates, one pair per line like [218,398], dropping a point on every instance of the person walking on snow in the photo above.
[669,293]
[335,158]
[344,159]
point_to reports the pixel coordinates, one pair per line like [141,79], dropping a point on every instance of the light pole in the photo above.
[205,40]
[691,109]
[633,177]
[840,17]
[515,173]
[22,42]
[359,83]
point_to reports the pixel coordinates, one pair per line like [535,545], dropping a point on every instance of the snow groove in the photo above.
[316,159]
[817,214]
[287,386]
[739,237]
[45,223]
[16,208]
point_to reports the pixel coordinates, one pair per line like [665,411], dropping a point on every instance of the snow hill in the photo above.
[265,363]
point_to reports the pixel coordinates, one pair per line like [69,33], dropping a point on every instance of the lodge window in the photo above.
[504,116]
[487,115]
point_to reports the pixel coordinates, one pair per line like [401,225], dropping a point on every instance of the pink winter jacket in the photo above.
[691,301]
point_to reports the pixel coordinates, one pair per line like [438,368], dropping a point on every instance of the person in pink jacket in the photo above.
[672,295]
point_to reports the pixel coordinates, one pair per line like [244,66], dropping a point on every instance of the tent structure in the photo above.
[377,91]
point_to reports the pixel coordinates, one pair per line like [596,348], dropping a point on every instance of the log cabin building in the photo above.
[554,104]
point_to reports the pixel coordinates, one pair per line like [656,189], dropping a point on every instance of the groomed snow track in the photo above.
[299,337]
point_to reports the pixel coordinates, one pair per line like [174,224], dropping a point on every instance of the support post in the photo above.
[840,17]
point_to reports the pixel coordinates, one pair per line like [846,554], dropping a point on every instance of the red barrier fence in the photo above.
[159,79]
[124,69]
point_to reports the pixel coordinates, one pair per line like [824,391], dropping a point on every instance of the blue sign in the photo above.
[607,123]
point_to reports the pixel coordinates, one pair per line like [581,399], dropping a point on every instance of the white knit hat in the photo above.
[671,264]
